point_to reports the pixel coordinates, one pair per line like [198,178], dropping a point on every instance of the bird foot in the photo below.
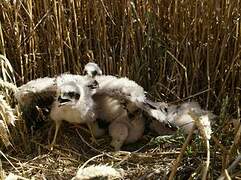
[93,140]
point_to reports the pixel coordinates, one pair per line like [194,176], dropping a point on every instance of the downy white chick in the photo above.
[74,102]
[180,115]
[67,97]
[127,128]
[113,90]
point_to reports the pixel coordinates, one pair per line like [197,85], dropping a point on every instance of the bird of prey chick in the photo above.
[121,102]
[73,102]
[180,115]
[68,97]
[127,128]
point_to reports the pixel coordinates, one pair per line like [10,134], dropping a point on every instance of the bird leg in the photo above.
[91,126]
[117,144]
[119,133]
[57,126]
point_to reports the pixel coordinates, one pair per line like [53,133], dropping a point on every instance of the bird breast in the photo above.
[72,114]
[135,127]
[108,108]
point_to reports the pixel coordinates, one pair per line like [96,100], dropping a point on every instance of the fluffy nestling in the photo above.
[180,115]
[127,128]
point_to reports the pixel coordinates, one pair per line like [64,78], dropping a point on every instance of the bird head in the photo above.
[172,113]
[69,93]
[92,69]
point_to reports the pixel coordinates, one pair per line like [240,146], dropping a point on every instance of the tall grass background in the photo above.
[185,47]
[173,48]
[176,49]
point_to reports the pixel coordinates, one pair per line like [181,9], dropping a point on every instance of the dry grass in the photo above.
[177,50]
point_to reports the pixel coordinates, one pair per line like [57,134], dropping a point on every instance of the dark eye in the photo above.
[71,94]
[77,96]
[94,73]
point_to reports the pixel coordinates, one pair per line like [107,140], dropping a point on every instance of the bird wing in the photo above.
[35,99]
[46,89]
[41,89]
[130,91]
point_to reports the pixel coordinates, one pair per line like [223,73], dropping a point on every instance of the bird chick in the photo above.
[73,104]
[180,115]
[127,128]
[123,88]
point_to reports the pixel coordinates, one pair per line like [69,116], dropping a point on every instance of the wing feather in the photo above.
[35,99]
[40,89]
[128,90]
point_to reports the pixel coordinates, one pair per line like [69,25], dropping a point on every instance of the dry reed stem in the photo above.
[9,161]
[207,163]
[202,122]
[53,36]
[179,158]
[227,176]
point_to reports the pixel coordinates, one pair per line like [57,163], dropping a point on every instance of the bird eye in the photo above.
[77,96]
[71,94]
[94,73]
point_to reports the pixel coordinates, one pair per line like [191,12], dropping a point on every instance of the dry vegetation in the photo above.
[177,50]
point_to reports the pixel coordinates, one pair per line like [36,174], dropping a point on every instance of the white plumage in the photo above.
[92,69]
[69,98]
[127,128]
[74,101]
[180,115]
[117,101]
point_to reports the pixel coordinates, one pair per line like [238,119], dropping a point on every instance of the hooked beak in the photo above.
[63,101]
[94,85]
